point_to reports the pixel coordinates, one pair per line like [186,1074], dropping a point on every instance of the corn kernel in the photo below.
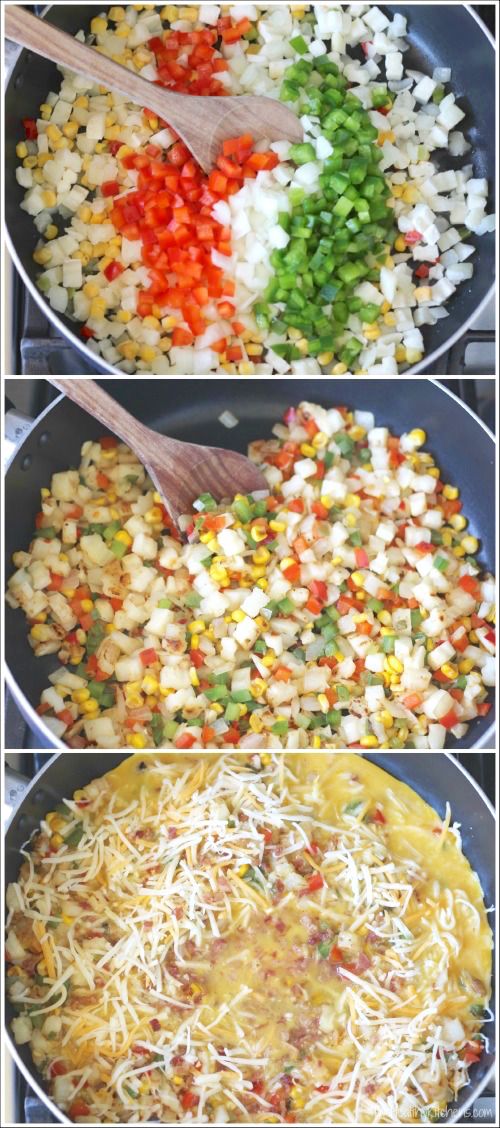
[123,537]
[42,256]
[243,870]
[196,626]
[385,718]
[371,332]
[450,492]
[98,25]
[323,702]
[350,520]
[307,450]
[400,354]
[352,501]
[466,665]
[269,659]
[339,369]
[470,544]
[261,556]
[51,231]
[400,244]
[70,129]
[458,522]
[390,320]
[395,664]
[80,695]
[21,150]
[238,616]
[450,670]
[358,579]
[255,723]
[276,526]
[386,619]
[316,740]
[53,133]
[137,740]
[320,440]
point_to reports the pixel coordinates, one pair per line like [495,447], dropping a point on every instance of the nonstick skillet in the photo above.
[440,35]
[190,409]
[437,777]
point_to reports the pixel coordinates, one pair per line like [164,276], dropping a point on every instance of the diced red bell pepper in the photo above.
[319,589]
[412,237]
[483,708]
[470,585]
[78,1108]
[295,505]
[336,955]
[292,572]
[103,481]
[378,816]
[57,1069]
[189,1099]
[361,557]
[449,720]
[185,740]
[319,510]
[181,337]
[148,657]
[56,582]
[110,188]
[30,129]
[315,882]
[66,717]
[113,270]
[234,33]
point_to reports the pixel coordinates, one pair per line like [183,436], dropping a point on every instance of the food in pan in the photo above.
[332,255]
[345,607]
[256,939]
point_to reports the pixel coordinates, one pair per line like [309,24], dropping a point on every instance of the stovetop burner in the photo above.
[29,1109]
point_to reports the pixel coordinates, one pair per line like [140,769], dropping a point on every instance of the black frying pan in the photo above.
[440,35]
[189,409]
[437,777]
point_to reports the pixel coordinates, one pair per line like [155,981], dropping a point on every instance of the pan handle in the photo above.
[15,787]
[17,425]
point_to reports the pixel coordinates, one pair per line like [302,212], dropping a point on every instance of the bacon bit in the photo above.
[155,1024]
[138,1049]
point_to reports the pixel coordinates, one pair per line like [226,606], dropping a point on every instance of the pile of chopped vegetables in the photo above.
[344,607]
[331,255]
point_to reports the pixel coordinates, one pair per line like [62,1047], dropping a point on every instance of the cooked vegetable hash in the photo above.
[331,255]
[257,939]
[345,607]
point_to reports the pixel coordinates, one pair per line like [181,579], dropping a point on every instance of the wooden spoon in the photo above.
[180,471]
[202,122]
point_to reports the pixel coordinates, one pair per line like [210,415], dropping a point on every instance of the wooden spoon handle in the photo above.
[93,399]
[52,43]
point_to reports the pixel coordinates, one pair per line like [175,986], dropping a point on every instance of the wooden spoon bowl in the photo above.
[203,123]
[180,471]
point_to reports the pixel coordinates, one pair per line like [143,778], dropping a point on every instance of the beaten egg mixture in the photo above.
[265,938]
